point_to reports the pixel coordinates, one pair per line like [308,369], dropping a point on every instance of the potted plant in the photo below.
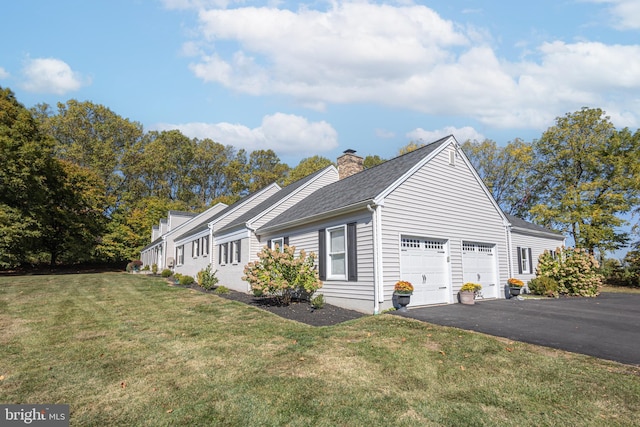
[515,285]
[468,292]
[402,292]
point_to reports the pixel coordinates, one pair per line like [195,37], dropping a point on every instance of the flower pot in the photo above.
[514,291]
[468,297]
[403,300]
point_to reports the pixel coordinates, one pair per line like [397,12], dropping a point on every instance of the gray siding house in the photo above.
[425,217]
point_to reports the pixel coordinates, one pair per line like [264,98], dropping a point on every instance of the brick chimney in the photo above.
[349,164]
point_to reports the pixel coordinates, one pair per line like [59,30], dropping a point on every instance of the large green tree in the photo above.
[306,167]
[507,173]
[264,168]
[586,171]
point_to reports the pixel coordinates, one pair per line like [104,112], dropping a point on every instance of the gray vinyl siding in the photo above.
[445,202]
[537,244]
[230,274]
[357,295]
[327,178]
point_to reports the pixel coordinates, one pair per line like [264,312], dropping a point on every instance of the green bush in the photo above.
[317,302]
[166,273]
[154,268]
[185,280]
[207,279]
[283,275]
[575,270]
[220,290]
[544,285]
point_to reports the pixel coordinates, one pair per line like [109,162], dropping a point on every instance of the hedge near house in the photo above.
[574,269]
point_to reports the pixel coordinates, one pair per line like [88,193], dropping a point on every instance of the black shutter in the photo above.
[519,261]
[286,241]
[322,254]
[530,262]
[226,253]
[239,249]
[269,243]
[352,253]
[219,254]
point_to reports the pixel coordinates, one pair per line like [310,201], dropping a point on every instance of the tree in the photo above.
[371,161]
[93,136]
[411,146]
[264,169]
[27,170]
[586,171]
[506,171]
[209,175]
[306,167]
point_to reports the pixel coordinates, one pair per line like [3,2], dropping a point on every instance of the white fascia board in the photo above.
[191,237]
[233,236]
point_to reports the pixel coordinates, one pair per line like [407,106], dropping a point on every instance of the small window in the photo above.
[205,245]
[195,248]
[452,157]
[180,255]
[236,251]
[277,243]
[524,260]
[223,253]
[337,253]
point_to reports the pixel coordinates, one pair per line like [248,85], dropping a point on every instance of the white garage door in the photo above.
[479,266]
[423,262]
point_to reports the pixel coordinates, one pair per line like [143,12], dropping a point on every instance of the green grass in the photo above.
[620,289]
[130,350]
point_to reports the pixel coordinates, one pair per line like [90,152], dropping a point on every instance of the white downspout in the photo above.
[378,284]
[509,249]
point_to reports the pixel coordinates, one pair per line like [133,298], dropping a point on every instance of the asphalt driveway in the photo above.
[607,327]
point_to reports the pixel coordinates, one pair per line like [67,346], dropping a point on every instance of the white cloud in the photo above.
[461,134]
[51,75]
[625,13]
[4,74]
[283,133]
[407,56]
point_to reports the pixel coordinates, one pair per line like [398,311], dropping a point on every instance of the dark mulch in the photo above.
[300,311]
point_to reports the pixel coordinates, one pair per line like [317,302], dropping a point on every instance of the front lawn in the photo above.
[125,349]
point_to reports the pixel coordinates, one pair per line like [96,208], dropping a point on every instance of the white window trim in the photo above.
[205,246]
[330,275]
[180,255]
[524,260]
[279,241]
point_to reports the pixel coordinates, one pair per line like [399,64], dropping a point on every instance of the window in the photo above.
[277,243]
[195,248]
[180,255]
[235,251]
[337,252]
[337,259]
[452,157]
[205,245]
[223,253]
[525,263]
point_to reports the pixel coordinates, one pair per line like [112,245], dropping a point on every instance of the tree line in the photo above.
[81,183]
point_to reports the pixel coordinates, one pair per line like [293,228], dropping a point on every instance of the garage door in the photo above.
[423,262]
[479,266]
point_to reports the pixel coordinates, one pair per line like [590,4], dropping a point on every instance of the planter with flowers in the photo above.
[468,293]
[515,286]
[402,292]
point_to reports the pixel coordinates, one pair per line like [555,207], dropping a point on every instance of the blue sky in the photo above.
[318,77]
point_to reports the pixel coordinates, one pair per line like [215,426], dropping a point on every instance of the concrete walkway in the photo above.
[607,327]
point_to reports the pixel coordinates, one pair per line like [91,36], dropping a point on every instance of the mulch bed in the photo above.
[300,311]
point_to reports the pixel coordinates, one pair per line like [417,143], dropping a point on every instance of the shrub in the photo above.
[154,269]
[166,273]
[220,290]
[207,279]
[185,280]
[283,275]
[317,302]
[574,269]
[544,285]
[146,268]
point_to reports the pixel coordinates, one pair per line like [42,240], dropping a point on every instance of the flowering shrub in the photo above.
[403,287]
[543,285]
[515,283]
[574,269]
[281,274]
[470,287]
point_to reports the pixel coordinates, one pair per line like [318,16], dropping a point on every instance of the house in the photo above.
[425,217]
[528,241]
